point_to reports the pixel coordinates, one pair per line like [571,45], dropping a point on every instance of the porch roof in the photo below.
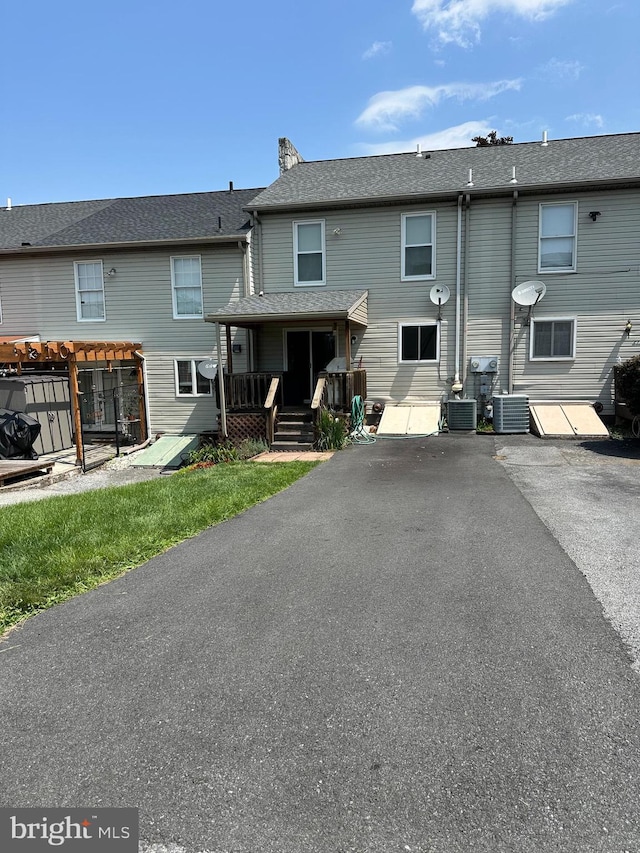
[295,307]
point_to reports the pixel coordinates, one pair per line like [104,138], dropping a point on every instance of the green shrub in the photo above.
[628,383]
[250,447]
[331,431]
[212,454]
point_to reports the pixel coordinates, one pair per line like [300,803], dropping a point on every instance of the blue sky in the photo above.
[133,97]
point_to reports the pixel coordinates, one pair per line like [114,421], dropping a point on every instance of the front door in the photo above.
[308,352]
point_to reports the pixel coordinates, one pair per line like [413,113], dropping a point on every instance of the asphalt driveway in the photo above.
[394,654]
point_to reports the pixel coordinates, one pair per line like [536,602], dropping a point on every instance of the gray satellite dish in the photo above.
[529,292]
[208,369]
[439,294]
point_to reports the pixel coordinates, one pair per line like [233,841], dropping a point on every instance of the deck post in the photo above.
[75,408]
[223,406]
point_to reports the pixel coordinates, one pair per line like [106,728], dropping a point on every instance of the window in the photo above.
[557,238]
[419,342]
[89,291]
[308,252]
[186,285]
[418,246]
[553,339]
[189,382]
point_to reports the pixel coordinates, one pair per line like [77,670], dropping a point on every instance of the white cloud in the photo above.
[459,136]
[378,48]
[561,69]
[386,109]
[458,21]
[587,119]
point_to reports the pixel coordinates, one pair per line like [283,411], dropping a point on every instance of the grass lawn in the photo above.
[53,549]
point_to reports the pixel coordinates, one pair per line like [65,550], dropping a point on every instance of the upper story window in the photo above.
[186,286]
[309,252]
[418,246]
[553,339]
[419,342]
[89,291]
[557,252]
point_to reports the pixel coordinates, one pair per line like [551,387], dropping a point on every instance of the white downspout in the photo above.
[146,391]
[456,386]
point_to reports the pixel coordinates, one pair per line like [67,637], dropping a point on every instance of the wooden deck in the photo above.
[12,468]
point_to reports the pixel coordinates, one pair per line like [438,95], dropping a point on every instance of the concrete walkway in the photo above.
[394,654]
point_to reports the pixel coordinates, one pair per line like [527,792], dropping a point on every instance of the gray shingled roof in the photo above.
[562,162]
[304,305]
[125,220]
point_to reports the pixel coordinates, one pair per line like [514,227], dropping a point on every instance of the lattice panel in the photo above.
[245,425]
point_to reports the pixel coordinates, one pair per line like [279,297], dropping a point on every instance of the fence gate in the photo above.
[110,418]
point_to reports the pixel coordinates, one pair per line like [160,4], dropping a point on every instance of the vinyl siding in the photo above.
[38,296]
[366,255]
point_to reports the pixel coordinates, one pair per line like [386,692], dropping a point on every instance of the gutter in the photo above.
[130,244]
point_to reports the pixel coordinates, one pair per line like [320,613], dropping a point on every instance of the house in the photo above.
[468,272]
[113,293]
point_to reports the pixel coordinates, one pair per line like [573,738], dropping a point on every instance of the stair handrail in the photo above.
[272,408]
[319,397]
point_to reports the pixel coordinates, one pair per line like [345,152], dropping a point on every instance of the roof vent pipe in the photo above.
[513,180]
[418,150]
[470,181]
[544,139]
[8,204]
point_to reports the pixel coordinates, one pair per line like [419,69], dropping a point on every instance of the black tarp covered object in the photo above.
[18,432]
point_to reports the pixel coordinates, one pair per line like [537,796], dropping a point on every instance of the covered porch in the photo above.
[300,357]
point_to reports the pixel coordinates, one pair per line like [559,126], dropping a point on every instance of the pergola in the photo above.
[20,353]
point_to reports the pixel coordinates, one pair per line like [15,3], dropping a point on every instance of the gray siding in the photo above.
[366,255]
[38,296]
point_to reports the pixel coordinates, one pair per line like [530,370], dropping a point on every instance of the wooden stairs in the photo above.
[294,429]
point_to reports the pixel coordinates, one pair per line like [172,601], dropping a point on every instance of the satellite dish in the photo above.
[529,292]
[439,294]
[208,369]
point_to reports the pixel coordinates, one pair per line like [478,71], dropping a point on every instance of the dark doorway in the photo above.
[308,353]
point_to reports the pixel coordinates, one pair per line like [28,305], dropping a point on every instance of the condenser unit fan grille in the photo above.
[510,413]
[462,414]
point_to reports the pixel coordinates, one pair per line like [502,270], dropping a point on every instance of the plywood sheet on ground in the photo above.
[169,451]
[409,420]
[566,420]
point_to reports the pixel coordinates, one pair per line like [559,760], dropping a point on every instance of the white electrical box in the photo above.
[483,364]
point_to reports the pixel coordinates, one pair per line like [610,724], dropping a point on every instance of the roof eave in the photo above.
[126,244]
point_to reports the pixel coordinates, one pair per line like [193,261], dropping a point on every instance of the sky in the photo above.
[132,97]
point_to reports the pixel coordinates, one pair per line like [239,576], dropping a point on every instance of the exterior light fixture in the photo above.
[594,214]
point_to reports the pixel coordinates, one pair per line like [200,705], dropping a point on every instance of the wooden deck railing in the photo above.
[341,388]
[245,391]
[319,399]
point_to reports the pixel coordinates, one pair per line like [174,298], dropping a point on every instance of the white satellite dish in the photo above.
[439,294]
[208,369]
[529,292]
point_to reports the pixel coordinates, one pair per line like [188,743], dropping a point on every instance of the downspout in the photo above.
[456,385]
[223,404]
[465,309]
[512,304]
[258,228]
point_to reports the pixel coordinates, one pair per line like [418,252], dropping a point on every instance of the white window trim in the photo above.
[574,339]
[405,216]
[177,316]
[296,281]
[574,236]
[422,322]
[194,384]
[79,316]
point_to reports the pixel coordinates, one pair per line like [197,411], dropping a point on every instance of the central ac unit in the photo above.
[510,413]
[462,414]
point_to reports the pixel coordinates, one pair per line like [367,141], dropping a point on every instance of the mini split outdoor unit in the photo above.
[510,413]
[462,414]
